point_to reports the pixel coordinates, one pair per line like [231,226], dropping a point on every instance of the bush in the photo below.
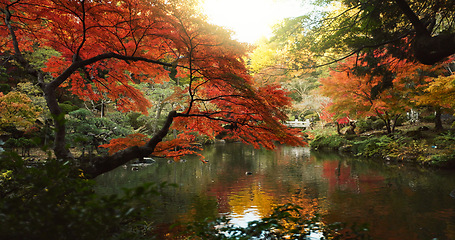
[54,201]
[445,140]
[378,124]
[391,147]
[400,121]
[68,107]
[443,161]
[312,116]
[328,142]
[364,125]
[372,146]
[372,123]
[427,119]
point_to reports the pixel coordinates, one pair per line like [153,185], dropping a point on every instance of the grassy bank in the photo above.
[417,144]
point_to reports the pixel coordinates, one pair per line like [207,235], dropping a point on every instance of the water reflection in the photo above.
[245,184]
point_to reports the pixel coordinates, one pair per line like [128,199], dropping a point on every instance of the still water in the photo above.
[243,183]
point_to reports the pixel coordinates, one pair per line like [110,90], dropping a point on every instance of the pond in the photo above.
[243,183]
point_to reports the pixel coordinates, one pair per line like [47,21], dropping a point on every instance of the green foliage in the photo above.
[391,147]
[427,119]
[17,111]
[88,132]
[377,147]
[445,140]
[328,142]
[5,88]
[4,77]
[24,144]
[39,56]
[378,124]
[443,160]
[364,125]
[54,201]
[370,124]
[33,92]
[68,107]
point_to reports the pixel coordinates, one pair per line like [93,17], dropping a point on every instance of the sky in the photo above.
[252,19]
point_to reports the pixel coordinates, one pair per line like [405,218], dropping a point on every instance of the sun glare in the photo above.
[252,19]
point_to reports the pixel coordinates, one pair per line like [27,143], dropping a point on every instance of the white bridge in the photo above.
[299,124]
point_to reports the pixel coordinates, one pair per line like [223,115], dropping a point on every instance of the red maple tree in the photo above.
[354,95]
[105,47]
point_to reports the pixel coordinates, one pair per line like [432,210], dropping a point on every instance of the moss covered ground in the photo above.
[410,143]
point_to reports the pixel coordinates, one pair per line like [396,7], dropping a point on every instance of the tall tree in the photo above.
[359,26]
[352,95]
[438,93]
[105,47]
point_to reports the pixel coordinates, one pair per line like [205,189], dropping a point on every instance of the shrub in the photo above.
[427,119]
[68,107]
[445,140]
[328,142]
[443,161]
[54,201]
[392,147]
[364,125]
[378,124]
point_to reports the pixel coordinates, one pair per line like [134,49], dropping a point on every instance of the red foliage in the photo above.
[105,48]
[115,145]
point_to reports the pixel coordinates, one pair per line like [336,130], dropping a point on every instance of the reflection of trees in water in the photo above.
[341,189]
[256,195]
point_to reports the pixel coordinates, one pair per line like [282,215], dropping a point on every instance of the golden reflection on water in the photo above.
[248,204]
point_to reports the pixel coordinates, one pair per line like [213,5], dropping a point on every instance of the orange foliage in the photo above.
[107,47]
[181,146]
[352,94]
[118,144]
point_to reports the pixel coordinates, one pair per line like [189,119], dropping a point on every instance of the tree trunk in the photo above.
[437,120]
[60,149]
[387,126]
[339,129]
[395,121]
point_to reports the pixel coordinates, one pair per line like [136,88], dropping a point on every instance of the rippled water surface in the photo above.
[396,202]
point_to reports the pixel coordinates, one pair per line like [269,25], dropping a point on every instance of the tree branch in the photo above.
[100,165]
[415,21]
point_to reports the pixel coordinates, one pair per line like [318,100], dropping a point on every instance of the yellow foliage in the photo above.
[440,92]
[17,109]
[6,175]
